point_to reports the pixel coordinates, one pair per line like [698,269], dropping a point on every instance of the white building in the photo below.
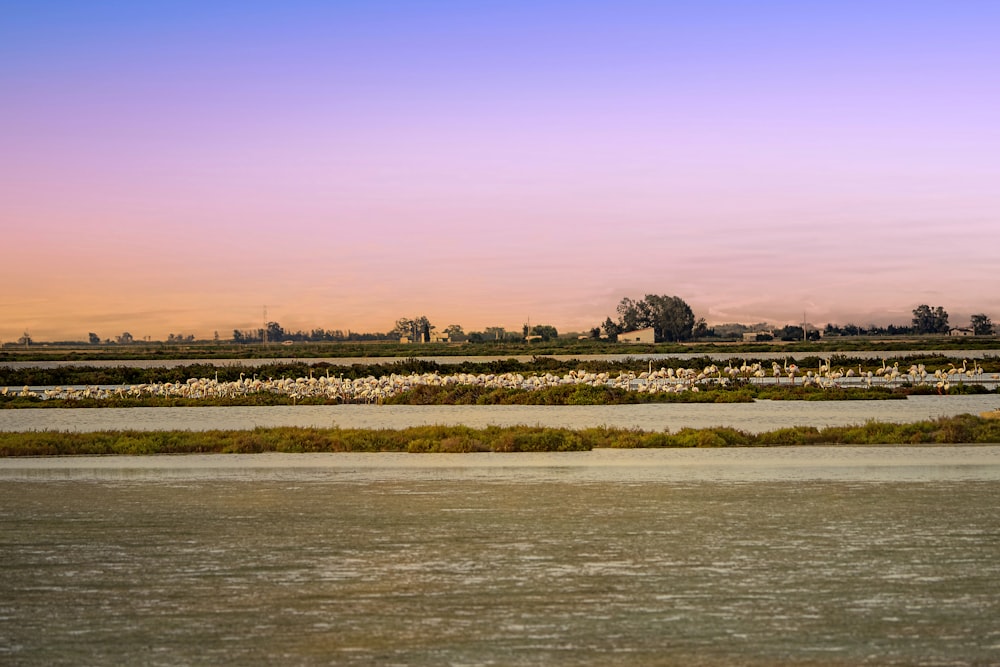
[646,335]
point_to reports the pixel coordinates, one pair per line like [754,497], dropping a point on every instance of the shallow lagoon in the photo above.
[951,463]
[814,556]
[752,417]
[811,556]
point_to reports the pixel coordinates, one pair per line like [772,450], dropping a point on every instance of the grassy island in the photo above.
[475,395]
[460,439]
[541,381]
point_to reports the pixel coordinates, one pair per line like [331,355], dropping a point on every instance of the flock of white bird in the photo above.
[376,389]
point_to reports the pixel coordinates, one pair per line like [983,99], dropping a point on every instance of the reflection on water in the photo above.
[580,559]
[752,417]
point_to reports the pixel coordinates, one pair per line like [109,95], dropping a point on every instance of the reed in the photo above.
[462,439]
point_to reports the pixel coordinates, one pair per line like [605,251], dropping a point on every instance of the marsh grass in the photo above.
[813,393]
[462,439]
[560,395]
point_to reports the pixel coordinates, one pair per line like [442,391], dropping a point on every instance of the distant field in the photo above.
[211,350]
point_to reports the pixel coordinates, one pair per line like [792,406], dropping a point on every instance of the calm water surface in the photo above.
[809,556]
[752,417]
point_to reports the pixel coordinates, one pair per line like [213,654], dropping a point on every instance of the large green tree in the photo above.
[670,317]
[546,331]
[982,325]
[927,320]
[611,329]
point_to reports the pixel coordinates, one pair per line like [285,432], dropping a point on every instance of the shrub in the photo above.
[799,435]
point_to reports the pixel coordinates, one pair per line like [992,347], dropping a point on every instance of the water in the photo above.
[808,556]
[626,466]
[752,417]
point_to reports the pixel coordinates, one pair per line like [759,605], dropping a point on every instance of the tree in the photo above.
[274,333]
[673,318]
[927,320]
[982,325]
[495,333]
[403,327]
[846,330]
[124,339]
[611,329]
[701,329]
[789,333]
[94,338]
[670,317]
[417,329]
[455,333]
[634,315]
[545,331]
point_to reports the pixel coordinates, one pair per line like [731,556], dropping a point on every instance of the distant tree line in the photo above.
[926,320]
[275,333]
[870,330]
[494,335]
[670,317]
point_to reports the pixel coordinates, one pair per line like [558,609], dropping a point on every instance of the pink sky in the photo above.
[172,168]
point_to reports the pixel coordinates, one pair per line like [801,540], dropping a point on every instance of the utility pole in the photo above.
[263,331]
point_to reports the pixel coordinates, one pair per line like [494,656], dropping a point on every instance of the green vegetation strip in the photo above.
[588,395]
[461,439]
[479,395]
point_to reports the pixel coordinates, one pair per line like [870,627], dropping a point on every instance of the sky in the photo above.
[181,166]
